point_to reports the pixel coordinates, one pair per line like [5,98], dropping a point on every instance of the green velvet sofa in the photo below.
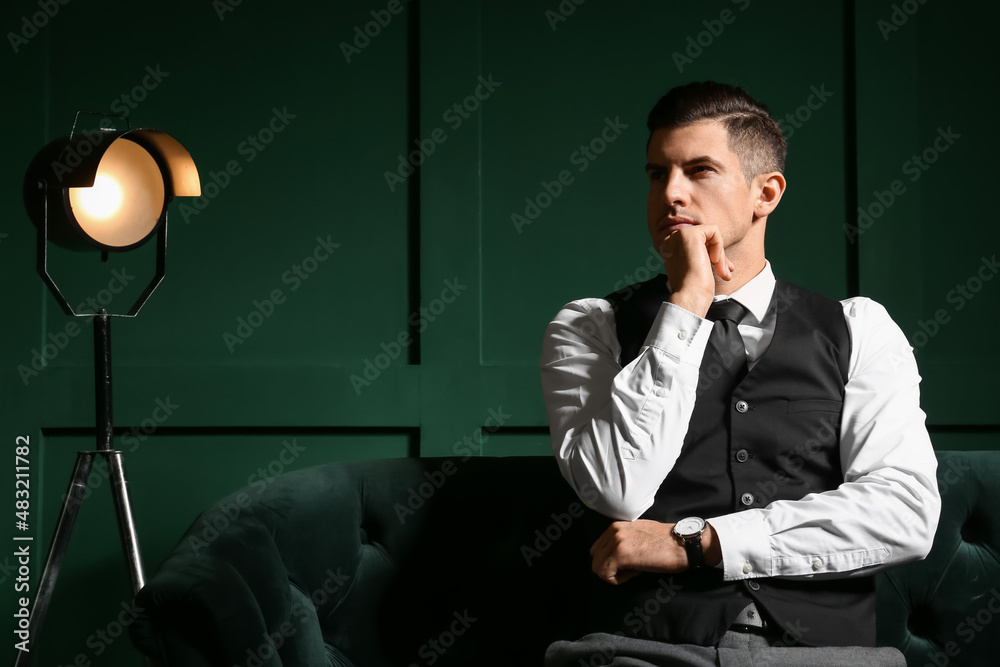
[483,561]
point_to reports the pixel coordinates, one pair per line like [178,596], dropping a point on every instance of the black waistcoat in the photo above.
[774,436]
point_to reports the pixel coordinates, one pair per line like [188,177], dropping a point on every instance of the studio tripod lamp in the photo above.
[101,191]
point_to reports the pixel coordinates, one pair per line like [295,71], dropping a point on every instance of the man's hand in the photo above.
[627,548]
[692,257]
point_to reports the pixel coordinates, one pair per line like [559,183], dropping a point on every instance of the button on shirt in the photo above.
[620,430]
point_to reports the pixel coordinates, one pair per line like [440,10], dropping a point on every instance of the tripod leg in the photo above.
[126,524]
[60,540]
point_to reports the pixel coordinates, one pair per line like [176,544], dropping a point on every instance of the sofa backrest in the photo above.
[483,561]
[394,562]
[945,609]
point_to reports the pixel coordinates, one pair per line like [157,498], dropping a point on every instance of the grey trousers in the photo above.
[736,649]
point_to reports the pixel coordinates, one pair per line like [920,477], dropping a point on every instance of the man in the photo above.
[760,448]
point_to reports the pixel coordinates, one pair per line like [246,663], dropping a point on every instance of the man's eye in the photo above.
[700,167]
[656,175]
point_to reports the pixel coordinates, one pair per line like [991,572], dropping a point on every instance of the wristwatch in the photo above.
[690,530]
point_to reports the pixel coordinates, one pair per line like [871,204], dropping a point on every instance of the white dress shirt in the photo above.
[619,431]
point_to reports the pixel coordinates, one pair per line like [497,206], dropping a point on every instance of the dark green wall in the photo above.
[554,86]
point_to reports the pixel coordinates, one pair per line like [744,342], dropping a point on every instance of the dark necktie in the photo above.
[726,350]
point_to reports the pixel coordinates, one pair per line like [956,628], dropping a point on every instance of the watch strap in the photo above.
[696,557]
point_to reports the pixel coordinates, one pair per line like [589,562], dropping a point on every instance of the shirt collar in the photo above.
[756,294]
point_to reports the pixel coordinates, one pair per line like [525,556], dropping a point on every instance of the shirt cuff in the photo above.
[746,544]
[679,333]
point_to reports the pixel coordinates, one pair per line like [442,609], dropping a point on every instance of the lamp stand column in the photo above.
[105,437]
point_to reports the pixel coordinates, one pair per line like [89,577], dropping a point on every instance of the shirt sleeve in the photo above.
[616,447]
[886,510]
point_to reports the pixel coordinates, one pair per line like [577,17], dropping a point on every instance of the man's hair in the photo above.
[754,136]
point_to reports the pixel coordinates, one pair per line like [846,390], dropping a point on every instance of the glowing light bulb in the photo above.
[103,199]
[127,198]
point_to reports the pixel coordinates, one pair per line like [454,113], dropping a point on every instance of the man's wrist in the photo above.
[696,304]
[710,546]
[699,542]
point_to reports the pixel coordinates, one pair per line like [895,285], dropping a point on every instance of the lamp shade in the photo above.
[107,190]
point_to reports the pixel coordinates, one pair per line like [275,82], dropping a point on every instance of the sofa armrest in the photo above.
[204,604]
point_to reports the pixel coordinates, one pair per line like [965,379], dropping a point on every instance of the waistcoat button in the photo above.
[742,406]
[747,499]
[742,455]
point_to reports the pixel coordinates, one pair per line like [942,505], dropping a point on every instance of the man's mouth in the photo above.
[675,222]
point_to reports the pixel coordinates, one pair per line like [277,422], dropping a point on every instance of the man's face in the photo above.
[694,178]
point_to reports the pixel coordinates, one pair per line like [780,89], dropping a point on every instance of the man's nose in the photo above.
[676,191]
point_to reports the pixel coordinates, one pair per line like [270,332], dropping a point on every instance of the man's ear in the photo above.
[770,187]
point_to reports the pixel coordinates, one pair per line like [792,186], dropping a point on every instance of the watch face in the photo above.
[689,526]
